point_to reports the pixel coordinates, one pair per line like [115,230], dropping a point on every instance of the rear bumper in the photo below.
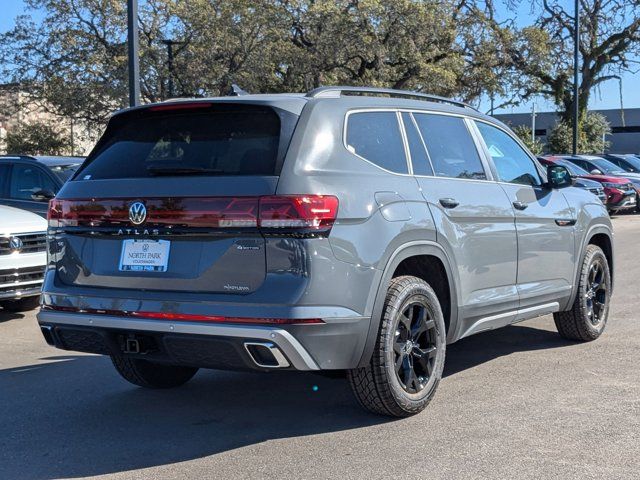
[336,344]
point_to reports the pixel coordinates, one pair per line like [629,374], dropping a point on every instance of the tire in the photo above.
[638,203]
[21,305]
[587,318]
[387,386]
[152,375]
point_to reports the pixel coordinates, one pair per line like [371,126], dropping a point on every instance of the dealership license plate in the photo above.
[144,255]
[632,200]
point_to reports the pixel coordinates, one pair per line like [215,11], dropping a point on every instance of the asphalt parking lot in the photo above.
[515,403]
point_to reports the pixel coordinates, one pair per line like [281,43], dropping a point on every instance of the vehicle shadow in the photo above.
[6,315]
[72,416]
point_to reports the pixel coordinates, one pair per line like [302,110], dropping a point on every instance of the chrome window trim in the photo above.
[405,142]
[488,172]
[536,163]
[346,145]
[426,150]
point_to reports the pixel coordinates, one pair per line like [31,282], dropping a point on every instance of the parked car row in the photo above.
[617,174]
[27,184]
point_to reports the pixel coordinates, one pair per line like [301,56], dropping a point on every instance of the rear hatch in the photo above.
[169,200]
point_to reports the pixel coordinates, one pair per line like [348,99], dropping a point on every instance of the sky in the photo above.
[607,97]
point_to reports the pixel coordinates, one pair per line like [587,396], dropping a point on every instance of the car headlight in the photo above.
[612,185]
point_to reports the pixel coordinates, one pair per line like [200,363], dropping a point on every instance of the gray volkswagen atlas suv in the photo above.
[351,229]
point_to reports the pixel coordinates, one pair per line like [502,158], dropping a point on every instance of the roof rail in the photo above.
[335,92]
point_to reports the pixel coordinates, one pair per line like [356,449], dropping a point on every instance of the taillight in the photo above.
[307,212]
[53,214]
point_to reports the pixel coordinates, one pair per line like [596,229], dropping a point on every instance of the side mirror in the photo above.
[43,195]
[559,177]
[595,171]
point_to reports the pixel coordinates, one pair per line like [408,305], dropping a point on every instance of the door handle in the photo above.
[449,202]
[520,205]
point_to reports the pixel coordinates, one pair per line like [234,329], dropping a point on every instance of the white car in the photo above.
[23,258]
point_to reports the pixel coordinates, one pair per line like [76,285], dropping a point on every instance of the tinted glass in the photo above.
[376,137]
[582,164]
[419,158]
[4,178]
[227,141]
[630,164]
[605,166]
[511,161]
[27,180]
[450,146]
[573,168]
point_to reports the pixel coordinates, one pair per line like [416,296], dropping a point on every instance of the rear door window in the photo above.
[375,136]
[419,159]
[451,149]
[217,140]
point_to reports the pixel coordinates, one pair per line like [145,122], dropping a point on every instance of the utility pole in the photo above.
[170,44]
[576,88]
[533,124]
[133,50]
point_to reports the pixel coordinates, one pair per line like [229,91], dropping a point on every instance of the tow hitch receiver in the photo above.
[131,345]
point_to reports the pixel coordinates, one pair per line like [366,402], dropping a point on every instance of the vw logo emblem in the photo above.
[137,213]
[15,243]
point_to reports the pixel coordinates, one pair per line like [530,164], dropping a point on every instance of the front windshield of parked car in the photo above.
[605,166]
[573,168]
[64,172]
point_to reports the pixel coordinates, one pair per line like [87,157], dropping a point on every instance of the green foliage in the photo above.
[540,57]
[524,133]
[591,135]
[36,139]
[74,62]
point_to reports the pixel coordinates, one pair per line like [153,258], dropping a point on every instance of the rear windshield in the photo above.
[221,140]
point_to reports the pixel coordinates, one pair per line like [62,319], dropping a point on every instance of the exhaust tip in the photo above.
[266,355]
[47,333]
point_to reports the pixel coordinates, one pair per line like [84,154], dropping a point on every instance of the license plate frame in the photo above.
[144,255]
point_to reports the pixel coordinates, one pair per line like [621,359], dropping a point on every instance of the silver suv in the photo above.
[347,229]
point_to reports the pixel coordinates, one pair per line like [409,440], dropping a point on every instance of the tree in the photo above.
[36,139]
[542,54]
[524,133]
[591,138]
[74,63]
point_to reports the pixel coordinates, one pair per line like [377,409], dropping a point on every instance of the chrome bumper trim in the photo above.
[286,342]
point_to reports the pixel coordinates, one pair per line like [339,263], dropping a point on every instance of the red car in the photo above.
[621,194]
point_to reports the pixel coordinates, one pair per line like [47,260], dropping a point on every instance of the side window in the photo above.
[4,178]
[511,161]
[450,146]
[27,180]
[419,159]
[376,137]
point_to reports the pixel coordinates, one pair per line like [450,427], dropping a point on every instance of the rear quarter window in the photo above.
[375,136]
[221,140]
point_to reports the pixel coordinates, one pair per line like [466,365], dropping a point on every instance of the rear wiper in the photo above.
[165,170]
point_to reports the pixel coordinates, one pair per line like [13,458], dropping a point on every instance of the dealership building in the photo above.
[625,127]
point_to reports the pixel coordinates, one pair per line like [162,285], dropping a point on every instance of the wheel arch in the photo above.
[601,236]
[424,260]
